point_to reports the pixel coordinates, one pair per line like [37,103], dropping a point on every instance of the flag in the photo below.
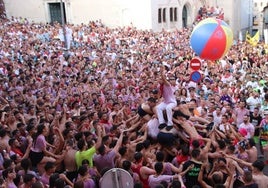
[255,39]
[248,37]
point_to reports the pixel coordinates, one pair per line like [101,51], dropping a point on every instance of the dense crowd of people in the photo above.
[210,11]
[123,98]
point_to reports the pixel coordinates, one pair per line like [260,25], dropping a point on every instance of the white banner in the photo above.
[265,32]
[240,37]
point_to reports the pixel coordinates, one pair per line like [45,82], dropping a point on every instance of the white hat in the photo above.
[191,85]
[166,65]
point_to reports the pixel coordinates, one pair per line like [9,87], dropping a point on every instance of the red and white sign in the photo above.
[195,64]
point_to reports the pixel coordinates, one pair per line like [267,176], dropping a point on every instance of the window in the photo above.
[171,14]
[159,15]
[55,12]
[164,14]
[255,20]
[175,15]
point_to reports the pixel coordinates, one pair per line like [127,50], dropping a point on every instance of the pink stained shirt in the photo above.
[40,144]
[45,179]
[156,180]
[168,94]
[240,113]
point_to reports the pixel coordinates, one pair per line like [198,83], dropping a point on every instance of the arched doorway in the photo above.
[184,16]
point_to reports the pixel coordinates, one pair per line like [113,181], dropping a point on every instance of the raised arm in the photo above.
[240,161]
[61,140]
[28,149]
[207,146]
[201,179]
[119,142]
[199,119]
[230,179]
[163,77]
[99,137]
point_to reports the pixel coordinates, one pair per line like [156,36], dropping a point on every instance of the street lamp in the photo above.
[64,30]
[122,16]
[63,23]
[65,50]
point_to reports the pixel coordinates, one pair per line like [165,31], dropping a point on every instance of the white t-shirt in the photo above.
[253,102]
[224,128]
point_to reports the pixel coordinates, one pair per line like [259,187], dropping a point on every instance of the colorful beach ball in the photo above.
[211,39]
